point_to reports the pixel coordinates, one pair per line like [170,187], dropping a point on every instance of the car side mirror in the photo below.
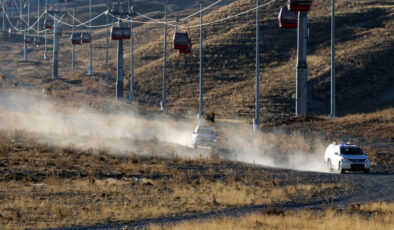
[366,153]
[336,153]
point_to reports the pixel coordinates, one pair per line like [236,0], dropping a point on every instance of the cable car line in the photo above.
[229,17]
[19,30]
[206,8]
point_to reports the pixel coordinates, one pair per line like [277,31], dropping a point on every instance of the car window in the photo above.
[204,131]
[351,151]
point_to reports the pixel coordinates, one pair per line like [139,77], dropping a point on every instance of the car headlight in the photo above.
[345,161]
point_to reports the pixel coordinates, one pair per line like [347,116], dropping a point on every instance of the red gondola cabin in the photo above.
[126,33]
[37,41]
[300,5]
[48,24]
[86,37]
[188,50]
[116,33]
[11,33]
[28,39]
[287,18]
[76,39]
[120,33]
[19,24]
[59,31]
[181,40]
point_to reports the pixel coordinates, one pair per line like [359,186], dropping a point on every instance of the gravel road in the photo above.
[364,188]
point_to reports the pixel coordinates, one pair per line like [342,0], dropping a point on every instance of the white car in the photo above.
[346,157]
[204,136]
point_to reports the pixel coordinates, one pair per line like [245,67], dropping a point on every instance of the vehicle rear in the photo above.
[204,136]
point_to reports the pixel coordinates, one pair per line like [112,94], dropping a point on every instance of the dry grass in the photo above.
[46,186]
[369,216]
[364,59]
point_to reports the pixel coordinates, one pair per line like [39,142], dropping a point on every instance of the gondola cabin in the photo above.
[59,31]
[19,24]
[76,39]
[126,33]
[37,41]
[11,33]
[28,39]
[287,18]
[116,33]
[48,24]
[181,40]
[300,5]
[188,50]
[86,37]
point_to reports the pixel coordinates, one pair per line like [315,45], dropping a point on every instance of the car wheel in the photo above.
[329,165]
[366,171]
[340,169]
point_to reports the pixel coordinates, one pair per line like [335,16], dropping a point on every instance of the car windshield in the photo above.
[351,151]
[205,131]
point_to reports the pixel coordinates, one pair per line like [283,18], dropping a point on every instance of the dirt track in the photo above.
[373,187]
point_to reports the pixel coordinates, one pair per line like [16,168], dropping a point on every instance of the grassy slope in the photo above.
[372,216]
[364,59]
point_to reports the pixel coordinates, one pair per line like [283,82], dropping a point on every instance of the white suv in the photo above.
[204,136]
[346,157]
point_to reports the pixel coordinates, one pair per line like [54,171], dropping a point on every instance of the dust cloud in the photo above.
[275,149]
[127,131]
[60,125]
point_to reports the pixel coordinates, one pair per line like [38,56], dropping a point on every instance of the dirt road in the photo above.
[364,188]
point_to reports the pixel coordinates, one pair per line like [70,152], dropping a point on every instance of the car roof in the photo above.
[204,127]
[348,145]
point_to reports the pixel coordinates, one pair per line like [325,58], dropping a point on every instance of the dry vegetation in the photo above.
[373,131]
[364,58]
[356,216]
[46,186]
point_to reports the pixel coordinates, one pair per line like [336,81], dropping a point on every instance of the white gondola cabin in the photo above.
[287,18]
[300,5]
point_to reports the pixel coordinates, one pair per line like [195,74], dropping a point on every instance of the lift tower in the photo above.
[119,77]
[302,69]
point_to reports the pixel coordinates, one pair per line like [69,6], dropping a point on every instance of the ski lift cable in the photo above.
[230,17]
[17,29]
[206,8]
[158,21]
[134,21]
[21,17]
[91,20]
[182,19]
[213,22]
[81,24]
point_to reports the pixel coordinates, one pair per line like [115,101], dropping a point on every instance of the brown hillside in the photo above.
[364,61]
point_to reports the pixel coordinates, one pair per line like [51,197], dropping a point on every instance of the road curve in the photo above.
[364,188]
